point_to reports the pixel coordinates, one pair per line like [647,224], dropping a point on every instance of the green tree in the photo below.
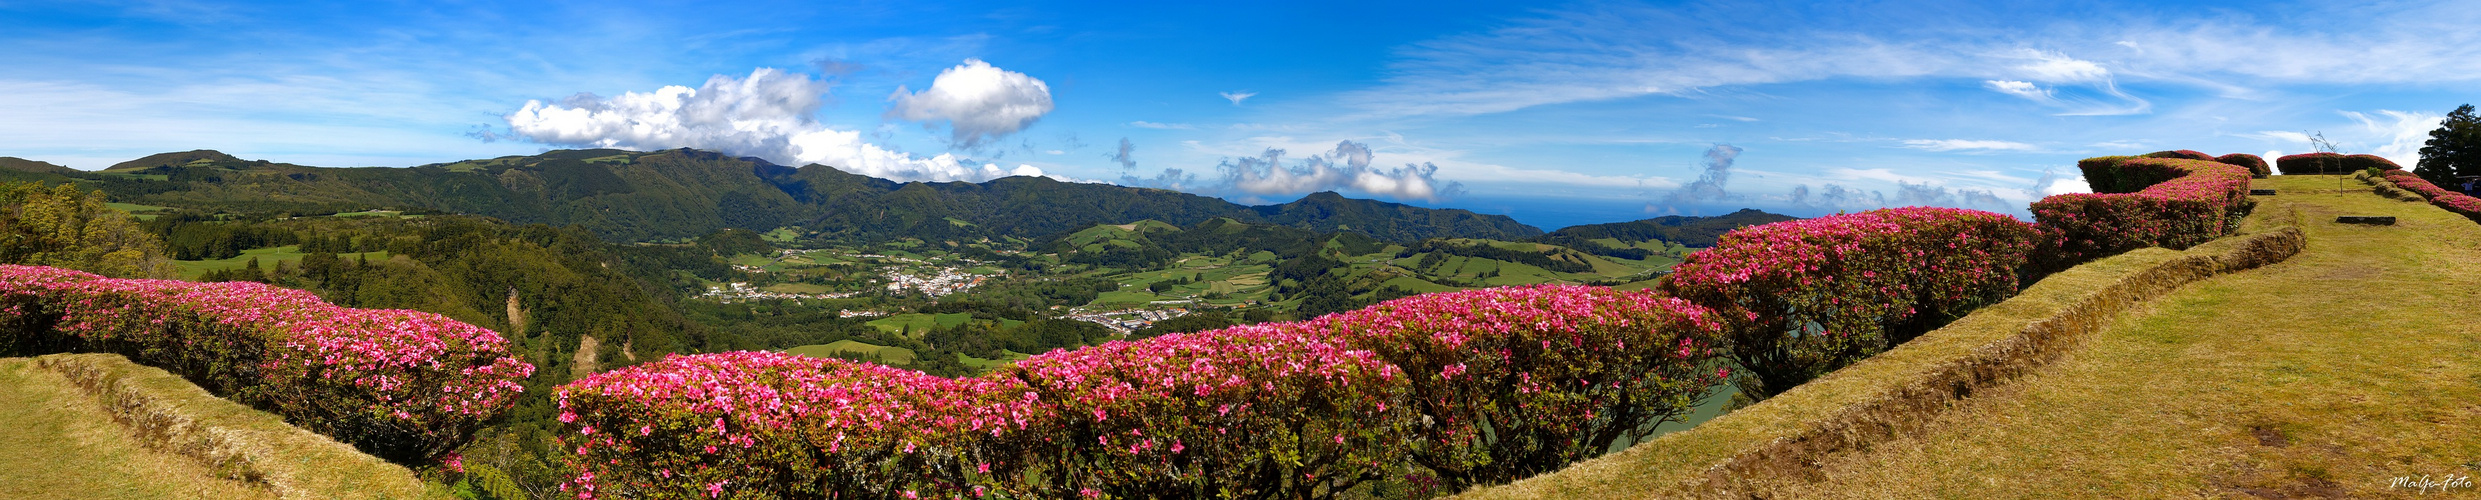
[2453,150]
[60,226]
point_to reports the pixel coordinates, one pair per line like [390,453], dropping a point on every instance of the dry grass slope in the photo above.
[55,442]
[242,446]
[1775,449]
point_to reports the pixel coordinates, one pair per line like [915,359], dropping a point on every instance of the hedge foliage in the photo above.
[1482,385]
[2459,203]
[2256,164]
[404,385]
[1799,299]
[2183,154]
[2137,203]
[2312,164]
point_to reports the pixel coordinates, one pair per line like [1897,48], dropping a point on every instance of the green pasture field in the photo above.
[267,259]
[893,355]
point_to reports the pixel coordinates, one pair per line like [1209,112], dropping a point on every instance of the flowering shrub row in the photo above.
[2311,164]
[405,385]
[1800,298]
[2256,164]
[1513,382]
[2180,203]
[1483,385]
[2183,154]
[2459,203]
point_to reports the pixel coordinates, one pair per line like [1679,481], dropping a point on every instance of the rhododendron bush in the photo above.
[1484,385]
[404,385]
[1515,382]
[2312,164]
[1801,298]
[2459,203]
[2356,163]
[2256,164]
[2184,154]
[1270,410]
[2173,203]
[795,426]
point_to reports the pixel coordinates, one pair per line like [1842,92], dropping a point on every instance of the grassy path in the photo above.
[2353,363]
[56,442]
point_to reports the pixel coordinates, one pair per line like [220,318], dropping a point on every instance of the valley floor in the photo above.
[2354,363]
[57,442]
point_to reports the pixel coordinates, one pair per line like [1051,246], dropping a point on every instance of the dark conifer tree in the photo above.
[2453,150]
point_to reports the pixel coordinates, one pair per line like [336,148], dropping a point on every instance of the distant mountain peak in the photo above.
[32,166]
[172,159]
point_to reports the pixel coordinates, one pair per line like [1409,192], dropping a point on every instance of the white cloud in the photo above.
[2400,134]
[1161,126]
[767,115]
[2054,67]
[979,102]
[1966,145]
[1237,97]
[2022,89]
[1345,167]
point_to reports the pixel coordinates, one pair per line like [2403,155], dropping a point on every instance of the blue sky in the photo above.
[1557,113]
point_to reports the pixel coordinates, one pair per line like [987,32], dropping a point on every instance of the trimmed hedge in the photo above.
[1514,382]
[1482,385]
[1801,298]
[2459,203]
[2183,154]
[2187,202]
[407,386]
[2313,164]
[2357,163]
[2255,164]
[790,425]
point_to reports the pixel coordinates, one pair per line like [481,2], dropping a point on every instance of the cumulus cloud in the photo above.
[1966,145]
[2018,88]
[1838,198]
[978,101]
[2400,134]
[1710,183]
[766,115]
[2096,92]
[1122,156]
[1237,97]
[1345,167]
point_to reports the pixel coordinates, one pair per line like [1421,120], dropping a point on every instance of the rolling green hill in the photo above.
[1684,230]
[682,193]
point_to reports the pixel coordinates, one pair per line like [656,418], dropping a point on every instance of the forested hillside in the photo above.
[676,194]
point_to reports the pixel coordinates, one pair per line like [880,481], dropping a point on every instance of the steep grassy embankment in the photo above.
[61,444]
[2327,375]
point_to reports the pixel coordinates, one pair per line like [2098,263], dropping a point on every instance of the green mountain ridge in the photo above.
[682,193]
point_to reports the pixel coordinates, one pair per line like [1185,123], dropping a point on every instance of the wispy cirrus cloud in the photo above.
[1943,145]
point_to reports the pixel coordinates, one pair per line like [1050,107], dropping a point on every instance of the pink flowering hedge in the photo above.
[405,385]
[1801,298]
[2183,154]
[1271,410]
[2459,203]
[2312,164]
[1516,382]
[2140,202]
[1290,410]
[2256,164]
[2356,163]
[794,426]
